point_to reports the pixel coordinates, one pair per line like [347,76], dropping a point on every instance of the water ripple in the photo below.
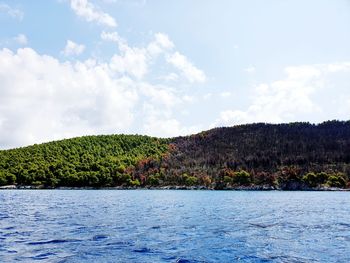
[174,226]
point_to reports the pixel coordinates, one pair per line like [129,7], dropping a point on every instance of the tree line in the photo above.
[286,156]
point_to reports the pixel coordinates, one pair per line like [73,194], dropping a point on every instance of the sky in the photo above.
[167,68]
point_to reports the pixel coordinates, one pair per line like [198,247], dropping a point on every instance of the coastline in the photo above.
[172,187]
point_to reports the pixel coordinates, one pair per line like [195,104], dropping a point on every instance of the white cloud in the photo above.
[338,67]
[73,49]
[161,96]
[43,99]
[13,12]
[162,124]
[167,127]
[111,36]
[169,77]
[161,44]
[225,94]
[91,13]
[192,73]
[292,98]
[138,3]
[250,69]
[21,39]
[187,98]
[135,61]
[132,61]
[207,96]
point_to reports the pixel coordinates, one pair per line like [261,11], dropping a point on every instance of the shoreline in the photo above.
[171,187]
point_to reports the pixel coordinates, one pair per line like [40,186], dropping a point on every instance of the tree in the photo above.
[7,178]
[135,182]
[242,178]
[3,180]
[337,180]
[310,179]
[191,180]
[153,180]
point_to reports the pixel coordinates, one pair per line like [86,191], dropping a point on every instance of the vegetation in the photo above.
[86,161]
[287,156]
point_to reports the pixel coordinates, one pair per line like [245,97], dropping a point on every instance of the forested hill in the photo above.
[287,156]
[84,161]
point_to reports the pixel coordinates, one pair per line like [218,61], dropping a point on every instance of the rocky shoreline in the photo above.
[170,187]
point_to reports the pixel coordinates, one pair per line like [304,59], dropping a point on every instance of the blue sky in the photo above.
[167,68]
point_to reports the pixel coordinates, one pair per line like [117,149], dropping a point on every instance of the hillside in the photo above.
[287,156]
[85,161]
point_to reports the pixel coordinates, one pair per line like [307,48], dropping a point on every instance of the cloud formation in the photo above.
[13,12]
[44,99]
[250,69]
[192,73]
[136,60]
[292,98]
[73,49]
[21,39]
[92,13]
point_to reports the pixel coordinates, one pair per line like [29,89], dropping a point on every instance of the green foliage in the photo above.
[121,179]
[288,156]
[3,180]
[86,161]
[228,180]
[315,179]
[191,180]
[242,178]
[311,179]
[135,182]
[121,168]
[154,179]
[336,180]
[6,178]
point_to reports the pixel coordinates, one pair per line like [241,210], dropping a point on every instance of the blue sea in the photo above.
[173,226]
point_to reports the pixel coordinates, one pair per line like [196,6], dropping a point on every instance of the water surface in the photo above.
[173,226]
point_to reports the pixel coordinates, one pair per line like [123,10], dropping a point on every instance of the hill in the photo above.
[287,156]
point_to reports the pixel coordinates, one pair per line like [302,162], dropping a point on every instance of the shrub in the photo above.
[120,178]
[310,179]
[7,178]
[242,178]
[153,179]
[3,180]
[191,180]
[135,182]
[228,180]
[336,180]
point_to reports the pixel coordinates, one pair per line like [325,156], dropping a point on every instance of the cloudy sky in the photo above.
[168,68]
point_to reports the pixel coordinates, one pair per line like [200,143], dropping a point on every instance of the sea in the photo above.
[174,226]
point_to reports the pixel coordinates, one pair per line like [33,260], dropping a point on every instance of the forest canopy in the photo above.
[286,156]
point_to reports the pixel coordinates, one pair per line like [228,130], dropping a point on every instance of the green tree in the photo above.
[242,178]
[135,182]
[3,180]
[191,180]
[311,179]
[121,179]
[337,180]
[153,179]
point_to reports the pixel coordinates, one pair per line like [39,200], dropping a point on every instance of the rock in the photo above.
[12,186]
